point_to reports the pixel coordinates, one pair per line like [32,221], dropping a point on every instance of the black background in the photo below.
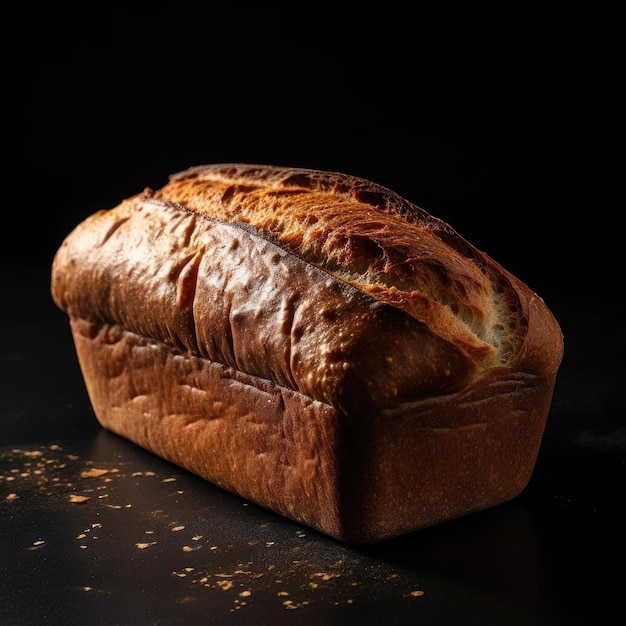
[506,126]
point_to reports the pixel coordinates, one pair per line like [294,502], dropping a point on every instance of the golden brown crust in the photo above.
[313,342]
[351,228]
[214,290]
[372,238]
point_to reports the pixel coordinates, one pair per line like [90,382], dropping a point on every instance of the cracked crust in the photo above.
[371,238]
[313,342]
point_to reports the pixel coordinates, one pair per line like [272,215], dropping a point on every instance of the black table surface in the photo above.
[95,530]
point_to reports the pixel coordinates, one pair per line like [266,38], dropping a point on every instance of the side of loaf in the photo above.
[312,342]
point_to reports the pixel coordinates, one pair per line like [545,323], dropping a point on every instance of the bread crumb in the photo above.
[324,575]
[417,593]
[225,585]
[93,472]
[143,546]
[78,499]
[31,453]
[11,497]
[290,604]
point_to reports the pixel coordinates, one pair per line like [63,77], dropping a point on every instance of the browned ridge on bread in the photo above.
[371,238]
[311,341]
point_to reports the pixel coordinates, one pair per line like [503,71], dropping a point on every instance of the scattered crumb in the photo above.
[93,472]
[225,584]
[290,604]
[323,575]
[31,453]
[78,499]
[298,574]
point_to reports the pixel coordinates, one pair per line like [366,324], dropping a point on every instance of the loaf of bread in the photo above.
[312,342]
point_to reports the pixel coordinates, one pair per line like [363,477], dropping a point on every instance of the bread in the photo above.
[312,342]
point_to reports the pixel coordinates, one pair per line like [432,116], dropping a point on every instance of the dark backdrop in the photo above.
[505,126]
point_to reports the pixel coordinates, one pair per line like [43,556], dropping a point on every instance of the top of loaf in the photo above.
[372,238]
